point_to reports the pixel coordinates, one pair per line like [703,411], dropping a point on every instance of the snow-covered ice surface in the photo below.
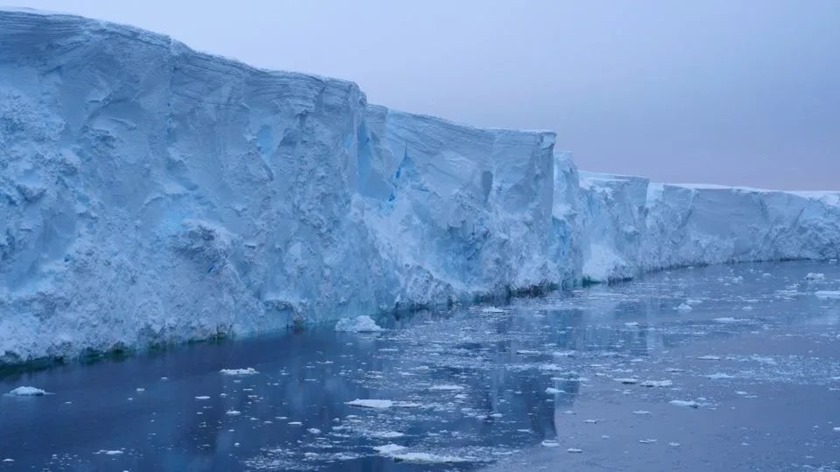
[530,386]
[152,194]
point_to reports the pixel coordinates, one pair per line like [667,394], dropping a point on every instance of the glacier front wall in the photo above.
[151,194]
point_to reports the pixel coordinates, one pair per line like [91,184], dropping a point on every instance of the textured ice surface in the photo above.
[359,324]
[26,391]
[150,194]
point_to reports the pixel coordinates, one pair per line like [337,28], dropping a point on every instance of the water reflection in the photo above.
[471,384]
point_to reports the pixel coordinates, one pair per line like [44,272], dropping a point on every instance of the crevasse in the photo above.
[151,194]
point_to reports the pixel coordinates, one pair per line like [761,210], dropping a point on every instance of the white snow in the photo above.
[26,391]
[359,324]
[160,203]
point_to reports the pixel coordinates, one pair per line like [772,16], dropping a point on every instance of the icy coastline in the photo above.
[151,194]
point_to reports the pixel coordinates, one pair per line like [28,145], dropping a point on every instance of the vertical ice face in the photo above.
[461,211]
[635,226]
[150,193]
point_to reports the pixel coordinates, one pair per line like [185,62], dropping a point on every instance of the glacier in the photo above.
[152,194]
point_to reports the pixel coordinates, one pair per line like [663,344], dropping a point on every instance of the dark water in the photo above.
[757,360]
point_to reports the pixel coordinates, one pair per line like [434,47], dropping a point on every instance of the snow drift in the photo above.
[150,194]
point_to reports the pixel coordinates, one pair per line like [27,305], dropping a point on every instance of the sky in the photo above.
[734,92]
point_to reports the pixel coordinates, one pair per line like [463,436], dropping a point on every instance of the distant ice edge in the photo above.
[153,194]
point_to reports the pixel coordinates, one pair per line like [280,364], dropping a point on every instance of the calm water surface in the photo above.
[743,363]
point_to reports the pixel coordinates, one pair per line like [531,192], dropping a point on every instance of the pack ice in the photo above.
[150,194]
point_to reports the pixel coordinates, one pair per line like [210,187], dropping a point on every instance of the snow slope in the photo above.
[152,194]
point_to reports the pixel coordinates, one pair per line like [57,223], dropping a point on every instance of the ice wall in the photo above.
[635,226]
[153,194]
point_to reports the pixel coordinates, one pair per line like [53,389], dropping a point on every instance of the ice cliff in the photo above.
[150,194]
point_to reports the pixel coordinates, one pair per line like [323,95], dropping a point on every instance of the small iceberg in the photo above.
[359,324]
[239,372]
[371,403]
[657,383]
[389,449]
[688,403]
[27,392]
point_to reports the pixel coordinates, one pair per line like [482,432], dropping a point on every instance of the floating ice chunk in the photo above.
[109,452]
[314,430]
[627,381]
[426,458]
[726,319]
[565,354]
[359,324]
[674,444]
[526,352]
[684,307]
[202,397]
[574,450]
[720,375]
[27,392]
[553,391]
[295,423]
[8,459]
[815,276]
[371,403]
[641,412]
[693,301]
[631,324]
[386,434]
[590,421]
[550,443]
[389,449]
[647,441]
[446,387]
[233,412]
[657,383]
[140,389]
[827,294]
[709,357]
[837,429]
[239,372]
[492,309]
[688,403]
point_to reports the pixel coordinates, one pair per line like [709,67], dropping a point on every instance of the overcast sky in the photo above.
[720,91]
